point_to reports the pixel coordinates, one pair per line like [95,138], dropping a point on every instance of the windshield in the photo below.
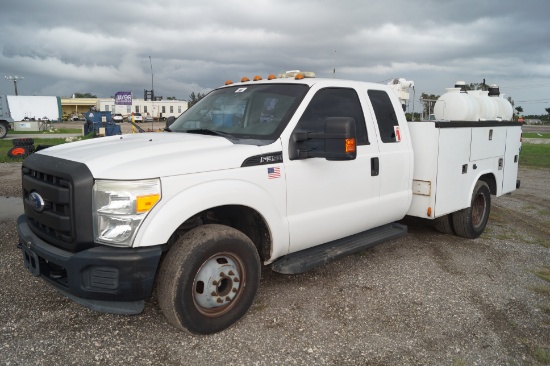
[257,112]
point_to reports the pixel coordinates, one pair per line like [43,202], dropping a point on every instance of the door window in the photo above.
[334,102]
[385,115]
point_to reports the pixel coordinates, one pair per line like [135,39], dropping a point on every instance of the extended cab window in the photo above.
[334,102]
[385,115]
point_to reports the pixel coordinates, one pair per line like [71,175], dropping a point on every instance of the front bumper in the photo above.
[107,279]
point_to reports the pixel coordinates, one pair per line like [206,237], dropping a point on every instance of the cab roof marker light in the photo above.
[244,79]
[228,82]
[257,78]
[271,77]
[299,76]
[294,73]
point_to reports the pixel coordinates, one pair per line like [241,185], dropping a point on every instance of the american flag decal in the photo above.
[274,172]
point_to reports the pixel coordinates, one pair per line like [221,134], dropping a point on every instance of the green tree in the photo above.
[194,98]
[84,95]
[171,98]
[519,109]
[428,102]
[548,111]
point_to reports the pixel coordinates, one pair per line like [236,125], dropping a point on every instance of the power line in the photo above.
[534,101]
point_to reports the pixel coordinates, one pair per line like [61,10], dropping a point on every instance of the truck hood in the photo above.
[151,155]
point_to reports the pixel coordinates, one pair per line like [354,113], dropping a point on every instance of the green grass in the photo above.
[535,135]
[6,145]
[543,290]
[544,273]
[535,155]
[53,130]
[542,355]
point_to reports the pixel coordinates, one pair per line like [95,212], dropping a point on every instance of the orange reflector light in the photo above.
[257,77]
[350,145]
[429,212]
[228,82]
[271,77]
[145,203]
[299,76]
[244,79]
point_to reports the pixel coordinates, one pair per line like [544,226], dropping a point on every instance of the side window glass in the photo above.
[334,102]
[385,115]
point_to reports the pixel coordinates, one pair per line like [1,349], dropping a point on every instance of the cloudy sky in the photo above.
[61,47]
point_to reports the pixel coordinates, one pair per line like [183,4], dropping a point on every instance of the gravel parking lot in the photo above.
[427,298]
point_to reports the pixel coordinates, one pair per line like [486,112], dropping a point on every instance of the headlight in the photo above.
[120,207]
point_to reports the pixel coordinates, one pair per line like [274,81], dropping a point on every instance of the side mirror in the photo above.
[169,121]
[336,141]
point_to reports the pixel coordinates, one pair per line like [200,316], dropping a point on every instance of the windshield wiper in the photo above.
[205,131]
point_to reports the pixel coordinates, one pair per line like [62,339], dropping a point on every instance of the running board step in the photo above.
[310,258]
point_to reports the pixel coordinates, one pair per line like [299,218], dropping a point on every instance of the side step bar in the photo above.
[310,258]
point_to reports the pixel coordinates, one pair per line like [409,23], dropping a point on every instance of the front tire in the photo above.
[470,222]
[208,279]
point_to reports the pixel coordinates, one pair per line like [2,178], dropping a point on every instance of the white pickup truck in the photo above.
[290,172]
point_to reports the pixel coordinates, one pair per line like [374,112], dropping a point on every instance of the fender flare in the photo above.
[170,213]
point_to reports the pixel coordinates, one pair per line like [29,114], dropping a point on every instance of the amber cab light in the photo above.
[244,79]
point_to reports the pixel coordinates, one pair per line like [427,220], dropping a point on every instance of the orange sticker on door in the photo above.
[397,132]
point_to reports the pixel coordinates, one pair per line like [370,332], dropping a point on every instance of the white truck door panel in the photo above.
[396,155]
[328,200]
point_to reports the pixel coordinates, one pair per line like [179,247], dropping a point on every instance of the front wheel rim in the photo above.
[218,284]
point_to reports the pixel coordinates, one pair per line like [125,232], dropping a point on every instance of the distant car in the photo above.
[117,117]
[137,117]
[148,118]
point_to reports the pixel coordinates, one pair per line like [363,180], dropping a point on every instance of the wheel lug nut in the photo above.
[222,274]
[231,273]
[215,283]
[227,298]
[219,300]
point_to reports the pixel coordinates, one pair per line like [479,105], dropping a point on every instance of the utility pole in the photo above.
[153,98]
[14,78]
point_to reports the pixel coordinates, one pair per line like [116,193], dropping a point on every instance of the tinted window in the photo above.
[385,114]
[334,102]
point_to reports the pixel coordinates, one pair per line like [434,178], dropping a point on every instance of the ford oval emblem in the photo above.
[37,202]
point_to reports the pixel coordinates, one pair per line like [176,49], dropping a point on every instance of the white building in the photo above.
[158,109]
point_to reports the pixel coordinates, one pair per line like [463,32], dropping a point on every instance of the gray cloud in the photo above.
[62,47]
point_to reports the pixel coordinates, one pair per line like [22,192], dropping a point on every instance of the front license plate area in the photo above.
[31,262]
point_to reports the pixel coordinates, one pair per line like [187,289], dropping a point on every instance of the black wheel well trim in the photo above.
[243,218]
[490,179]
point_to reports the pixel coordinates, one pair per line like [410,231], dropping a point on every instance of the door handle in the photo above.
[374,167]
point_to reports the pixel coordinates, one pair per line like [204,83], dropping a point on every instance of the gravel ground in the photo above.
[427,298]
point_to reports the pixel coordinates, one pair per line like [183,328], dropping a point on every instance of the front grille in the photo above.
[63,217]
[54,222]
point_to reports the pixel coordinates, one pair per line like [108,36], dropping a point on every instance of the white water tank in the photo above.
[455,105]
[475,105]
